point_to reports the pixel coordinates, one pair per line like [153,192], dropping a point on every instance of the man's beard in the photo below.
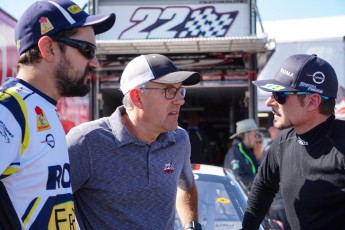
[71,84]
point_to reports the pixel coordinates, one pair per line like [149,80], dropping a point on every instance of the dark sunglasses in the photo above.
[280,97]
[86,48]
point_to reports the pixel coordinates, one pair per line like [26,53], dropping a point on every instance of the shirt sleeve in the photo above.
[10,142]
[187,177]
[265,186]
[79,155]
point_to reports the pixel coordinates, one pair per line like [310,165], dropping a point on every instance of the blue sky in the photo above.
[299,9]
[268,9]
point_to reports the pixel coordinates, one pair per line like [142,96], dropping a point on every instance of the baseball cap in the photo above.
[156,68]
[304,73]
[47,17]
[243,126]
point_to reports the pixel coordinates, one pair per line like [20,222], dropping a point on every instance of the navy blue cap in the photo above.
[47,17]
[304,73]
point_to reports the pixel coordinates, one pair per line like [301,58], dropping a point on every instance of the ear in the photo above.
[314,101]
[134,94]
[47,46]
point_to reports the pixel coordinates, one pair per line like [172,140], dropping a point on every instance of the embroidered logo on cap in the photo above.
[318,77]
[46,25]
[273,87]
[286,72]
[74,9]
[42,121]
[18,44]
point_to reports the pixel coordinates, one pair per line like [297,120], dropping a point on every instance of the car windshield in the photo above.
[221,203]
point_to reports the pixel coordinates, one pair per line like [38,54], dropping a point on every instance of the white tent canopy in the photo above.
[321,36]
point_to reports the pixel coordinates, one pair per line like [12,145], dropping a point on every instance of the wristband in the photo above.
[193,225]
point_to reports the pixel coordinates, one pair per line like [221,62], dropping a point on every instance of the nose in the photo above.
[178,100]
[94,62]
[270,102]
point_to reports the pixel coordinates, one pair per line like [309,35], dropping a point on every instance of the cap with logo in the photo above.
[244,126]
[47,17]
[303,73]
[156,68]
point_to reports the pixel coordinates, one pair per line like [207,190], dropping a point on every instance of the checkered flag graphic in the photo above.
[206,22]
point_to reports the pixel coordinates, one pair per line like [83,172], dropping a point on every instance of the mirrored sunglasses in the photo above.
[280,97]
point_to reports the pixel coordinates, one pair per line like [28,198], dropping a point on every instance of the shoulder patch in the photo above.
[18,108]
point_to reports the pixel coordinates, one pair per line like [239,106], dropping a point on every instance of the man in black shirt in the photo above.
[200,143]
[307,159]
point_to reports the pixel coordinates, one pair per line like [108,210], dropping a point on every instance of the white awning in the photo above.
[250,44]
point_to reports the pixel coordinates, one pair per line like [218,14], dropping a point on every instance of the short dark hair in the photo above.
[33,55]
[326,106]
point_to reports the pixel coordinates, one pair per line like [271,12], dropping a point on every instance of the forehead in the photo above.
[252,132]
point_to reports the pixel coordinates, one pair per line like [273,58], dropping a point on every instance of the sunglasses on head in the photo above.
[280,97]
[86,48]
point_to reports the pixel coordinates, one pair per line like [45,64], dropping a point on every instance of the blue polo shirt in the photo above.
[121,182]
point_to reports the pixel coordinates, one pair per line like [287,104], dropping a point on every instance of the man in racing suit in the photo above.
[56,45]
[307,159]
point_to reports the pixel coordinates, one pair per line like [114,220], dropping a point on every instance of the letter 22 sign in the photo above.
[178,22]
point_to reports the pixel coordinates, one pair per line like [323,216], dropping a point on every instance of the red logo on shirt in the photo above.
[169,168]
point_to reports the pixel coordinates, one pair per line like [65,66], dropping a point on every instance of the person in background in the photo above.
[56,45]
[200,143]
[258,147]
[240,158]
[132,169]
[273,134]
[277,209]
[306,161]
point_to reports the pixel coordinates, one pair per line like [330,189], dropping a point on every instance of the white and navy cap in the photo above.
[303,73]
[47,17]
[156,68]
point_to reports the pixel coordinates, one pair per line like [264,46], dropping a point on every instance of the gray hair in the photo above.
[127,102]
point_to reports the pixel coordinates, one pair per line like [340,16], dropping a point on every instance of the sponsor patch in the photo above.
[62,216]
[273,87]
[74,9]
[18,44]
[310,87]
[49,140]
[318,77]
[5,132]
[46,25]
[42,121]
